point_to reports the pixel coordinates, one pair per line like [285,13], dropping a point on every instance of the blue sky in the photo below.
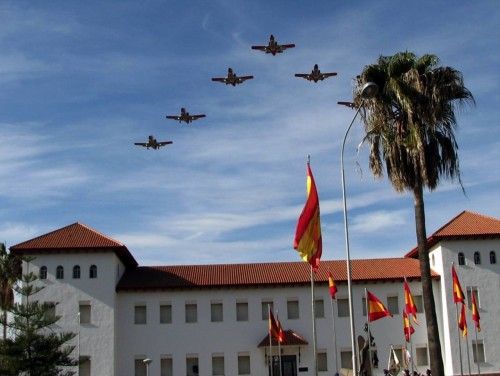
[82,81]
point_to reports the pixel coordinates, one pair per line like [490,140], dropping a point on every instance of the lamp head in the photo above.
[369,90]
[147,361]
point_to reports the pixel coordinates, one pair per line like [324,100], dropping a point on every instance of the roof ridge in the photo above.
[44,235]
[99,233]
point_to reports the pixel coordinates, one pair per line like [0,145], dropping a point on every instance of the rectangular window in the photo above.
[242,311]
[84,313]
[243,365]
[216,313]
[322,362]
[478,351]
[192,366]
[363,303]
[292,308]
[165,314]
[166,367]
[421,355]
[140,368]
[191,312]
[419,303]
[472,290]
[319,308]
[346,359]
[343,308]
[84,366]
[140,314]
[265,309]
[393,304]
[218,365]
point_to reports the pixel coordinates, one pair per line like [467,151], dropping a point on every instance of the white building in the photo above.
[210,319]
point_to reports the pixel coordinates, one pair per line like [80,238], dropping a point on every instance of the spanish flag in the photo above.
[331,285]
[475,313]
[410,306]
[275,329]
[308,233]
[462,321]
[458,294]
[376,309]
[407,328]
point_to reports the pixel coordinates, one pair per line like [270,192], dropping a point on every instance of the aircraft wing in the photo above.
[163,143]
[260,48]
[326,75]
[219,79]
[244,78]
[196,117]
[285,46]
[174,117]
[302,75]
[141,144]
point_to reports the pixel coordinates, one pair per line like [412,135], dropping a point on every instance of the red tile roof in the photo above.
[464,225]
[247,275]
[75,237]
[291,339]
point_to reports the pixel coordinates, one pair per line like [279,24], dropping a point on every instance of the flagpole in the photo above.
[468,356]
[368,327]
[313,323]
[335,337]
[270,339]
[459,344]
[411,357]
[279,342]
[477,353]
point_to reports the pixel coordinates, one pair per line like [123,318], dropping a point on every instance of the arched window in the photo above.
[461,258]
[59,272]
[493,257]
[76,272]
[477,258]
[93,271]
[43,272]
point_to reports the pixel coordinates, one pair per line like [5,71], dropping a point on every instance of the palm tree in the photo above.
[410,127]
[10,271]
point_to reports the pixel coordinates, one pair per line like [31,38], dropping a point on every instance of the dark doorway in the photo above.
[288,365]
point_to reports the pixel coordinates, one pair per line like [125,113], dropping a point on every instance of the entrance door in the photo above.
[288,365]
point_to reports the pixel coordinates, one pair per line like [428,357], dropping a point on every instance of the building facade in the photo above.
[213,319]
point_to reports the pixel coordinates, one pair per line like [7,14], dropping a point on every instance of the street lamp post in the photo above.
[147,362]
[368,90]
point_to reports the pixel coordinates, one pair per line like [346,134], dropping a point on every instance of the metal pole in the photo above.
[313,324]
[477,353]
[468,355]
[334,337]
[459,344]
[78,373]
[368,328]
[271,364]
[279,345]
[348,256]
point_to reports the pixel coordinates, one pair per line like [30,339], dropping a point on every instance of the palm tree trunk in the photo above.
[435,355]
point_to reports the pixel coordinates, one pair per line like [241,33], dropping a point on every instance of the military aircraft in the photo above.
[347,104]
[152,143]
[315,75]
[232,78]
[273,47]
[185,116]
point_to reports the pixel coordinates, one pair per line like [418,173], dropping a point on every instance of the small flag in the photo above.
[458,294]
[331,285]
[410,306]
[475,313]
[275,330]
[407,328]
[376,309]
[462,321]
[393,364]
[308,240]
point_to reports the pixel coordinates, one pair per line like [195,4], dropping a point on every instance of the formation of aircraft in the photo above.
[273,47]
[232,78]
[152,143]
[185,116]
[315,75]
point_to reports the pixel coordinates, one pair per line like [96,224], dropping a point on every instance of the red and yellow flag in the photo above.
[376,309]
[332,285]
[275,329]
[407,328]
[462,321]
[458,294]
[410,306]
[308,233]
[475,313]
